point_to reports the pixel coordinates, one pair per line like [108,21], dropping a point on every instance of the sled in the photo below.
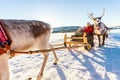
[74,40]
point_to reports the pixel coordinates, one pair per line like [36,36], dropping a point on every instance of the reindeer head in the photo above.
[96,20]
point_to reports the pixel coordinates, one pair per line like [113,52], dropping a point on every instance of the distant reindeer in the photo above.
[100,29]
[24,35]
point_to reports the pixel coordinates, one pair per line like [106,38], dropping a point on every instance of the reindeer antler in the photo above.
[103,13]
[90,15]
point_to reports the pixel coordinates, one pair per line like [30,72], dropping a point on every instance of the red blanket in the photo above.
[3,34]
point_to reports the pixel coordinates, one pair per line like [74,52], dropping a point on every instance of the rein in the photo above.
[12,52]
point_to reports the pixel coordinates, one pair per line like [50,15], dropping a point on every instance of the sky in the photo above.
[61,12]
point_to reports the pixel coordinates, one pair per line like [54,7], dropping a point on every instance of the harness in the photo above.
[98,27]
[5,40]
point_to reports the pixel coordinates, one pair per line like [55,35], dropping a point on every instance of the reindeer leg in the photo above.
[4,76]
[0,77]
[99,40]
[43,66]
[4,68]
[55,56]
[106,36]
[103,42]
[56,59]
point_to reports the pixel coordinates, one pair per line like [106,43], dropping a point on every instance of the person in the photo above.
[89,29]
[78,33]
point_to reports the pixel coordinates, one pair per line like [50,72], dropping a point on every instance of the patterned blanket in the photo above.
[3,35]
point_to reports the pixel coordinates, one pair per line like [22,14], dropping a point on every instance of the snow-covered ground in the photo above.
[100,63]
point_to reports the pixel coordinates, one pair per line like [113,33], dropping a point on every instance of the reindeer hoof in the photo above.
[29,79]
[55,63]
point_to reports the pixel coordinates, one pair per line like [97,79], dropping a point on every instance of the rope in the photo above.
[47,50]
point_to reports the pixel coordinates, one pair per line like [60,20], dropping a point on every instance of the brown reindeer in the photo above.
[25,34]
[100,29]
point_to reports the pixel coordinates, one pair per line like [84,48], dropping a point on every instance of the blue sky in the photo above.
[61,12]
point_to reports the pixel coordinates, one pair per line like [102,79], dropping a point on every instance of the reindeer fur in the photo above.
[24,35]
[100,29]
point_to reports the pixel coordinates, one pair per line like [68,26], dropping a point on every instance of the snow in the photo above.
[100,63]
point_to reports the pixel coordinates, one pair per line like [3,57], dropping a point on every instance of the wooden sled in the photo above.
[76,40]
